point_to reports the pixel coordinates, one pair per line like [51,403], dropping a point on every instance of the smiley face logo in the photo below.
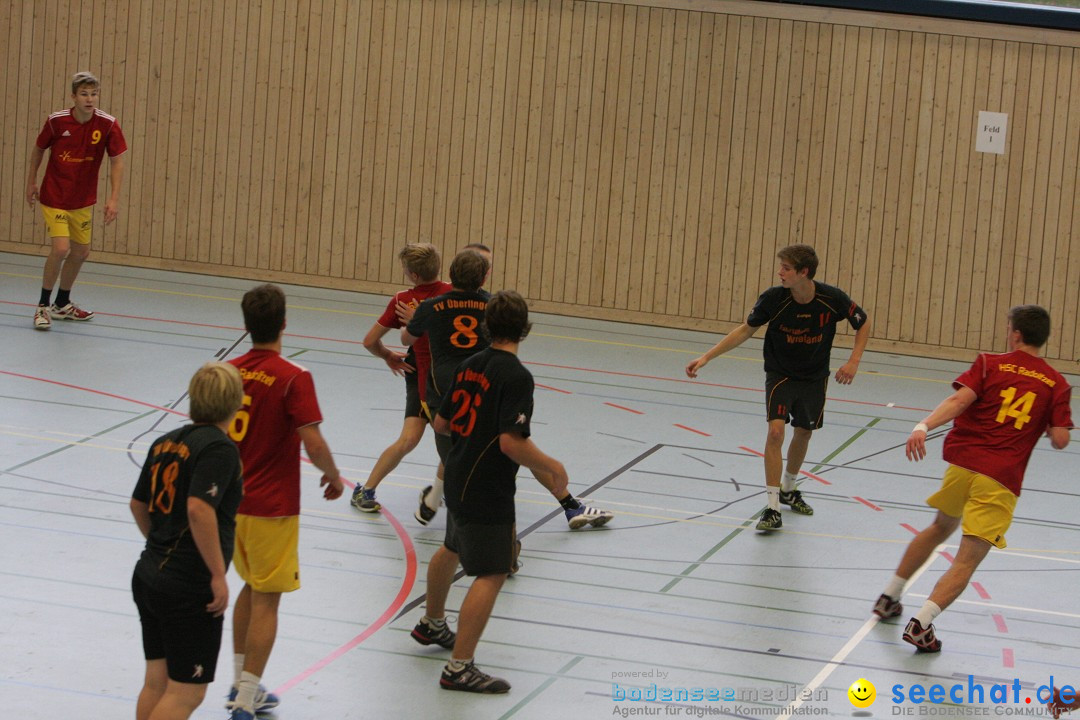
[862,693]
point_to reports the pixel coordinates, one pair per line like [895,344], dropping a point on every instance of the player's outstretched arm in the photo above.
[950,408]
[31,180]
[549,471]
[319,454]
[116,179]
[733,340]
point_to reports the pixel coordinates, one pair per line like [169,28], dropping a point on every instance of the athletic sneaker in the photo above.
[427,635]
[471,679]
[886,607]
[42,321]
[794,499]
[424,514]
[71,311]
[587,515]
[770,520]
[264,701]
[924,639]
[238,713]
[364,499]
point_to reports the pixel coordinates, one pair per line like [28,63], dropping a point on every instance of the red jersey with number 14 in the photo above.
[1019,397]
[279,399]
[71,177]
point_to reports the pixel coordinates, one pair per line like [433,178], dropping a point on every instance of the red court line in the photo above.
[948,556]
[96,392]
[908,527]
[620,407]
[811,475]
[548,387]
[867,503]
[981,590]
[1000,622]
[388,615]
[684,427]
[1007,657]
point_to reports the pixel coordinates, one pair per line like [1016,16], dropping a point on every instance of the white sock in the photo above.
[455,665]
[774,497]
[238,666]
[246,689]
[434,498]
[895,588]
[435,623]
[787,481]
[927,613]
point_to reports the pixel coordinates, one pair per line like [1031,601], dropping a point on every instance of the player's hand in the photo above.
[916,446]
[404,312]
[332,488]
[220,588]
[694,365]
[31,194]
[396,363]
[1058,704]
[111,211]
[846,373]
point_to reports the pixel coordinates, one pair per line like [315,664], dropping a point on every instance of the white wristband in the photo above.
[921,426]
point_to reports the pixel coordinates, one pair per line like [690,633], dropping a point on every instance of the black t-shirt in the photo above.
[452,324]
[800,337]
[491,393]
[197,461]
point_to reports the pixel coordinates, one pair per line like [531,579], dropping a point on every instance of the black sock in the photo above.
[63,297]
[570,503]
[45,297]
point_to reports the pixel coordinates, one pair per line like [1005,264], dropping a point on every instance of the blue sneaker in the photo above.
[364,500]
[241,714]
[264,701]
[587,515]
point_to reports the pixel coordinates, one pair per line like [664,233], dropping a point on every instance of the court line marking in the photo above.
[842,654]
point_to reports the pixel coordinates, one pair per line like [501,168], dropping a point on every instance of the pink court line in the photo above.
[1007,657]
[867,503]
[620,407]
[810,475]
[684,427]
[1000,622]
[399,600]
[981,590]
[96,392]
[548,387]
[909,528]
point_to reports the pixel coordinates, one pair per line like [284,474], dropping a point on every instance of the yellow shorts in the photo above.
[266,555]
[73,224]
[985,505]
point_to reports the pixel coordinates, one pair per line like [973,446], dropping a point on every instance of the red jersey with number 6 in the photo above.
[1019,397]
[279,399]
[71,177]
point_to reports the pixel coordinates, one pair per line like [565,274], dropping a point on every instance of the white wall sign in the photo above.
[990,134]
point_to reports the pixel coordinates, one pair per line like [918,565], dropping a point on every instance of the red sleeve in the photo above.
[45,138]
[389,318]
[115,143]
[973,377]
[1061,412]
[301,403]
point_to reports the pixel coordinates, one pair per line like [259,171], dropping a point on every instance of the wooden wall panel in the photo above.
[638,160]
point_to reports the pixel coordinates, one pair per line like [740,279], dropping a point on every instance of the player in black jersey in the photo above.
[185,505]
[802,316]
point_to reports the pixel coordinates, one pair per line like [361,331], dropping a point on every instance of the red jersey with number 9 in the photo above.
[71,177]
[1019,397]
[279,399]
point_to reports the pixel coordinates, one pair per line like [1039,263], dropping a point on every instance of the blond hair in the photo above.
[422,260]
[215,392]
[83,78]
